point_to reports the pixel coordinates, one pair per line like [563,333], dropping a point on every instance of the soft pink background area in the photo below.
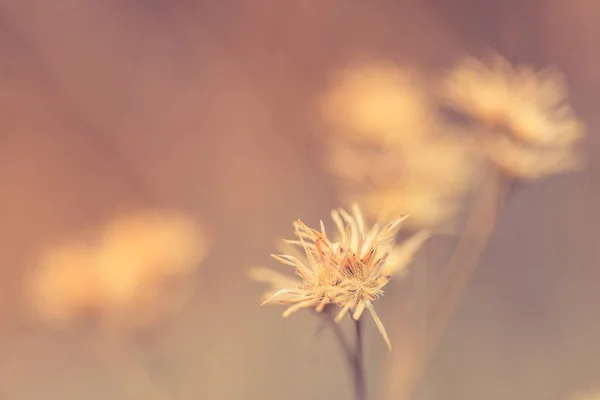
[208,107]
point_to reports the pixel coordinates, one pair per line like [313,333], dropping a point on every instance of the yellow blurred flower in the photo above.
[389,148]
[63,285]
[378,103]
[428,178]
[427,207]
[528,162]
[350,272]
[123,275]
[530,105]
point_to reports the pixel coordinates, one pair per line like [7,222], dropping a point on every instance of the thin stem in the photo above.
[359,366]
[461,265]
[339,334]
[466,255]
[354,357]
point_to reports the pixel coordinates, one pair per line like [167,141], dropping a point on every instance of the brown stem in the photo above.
[354,357]
[465,258]
[339,334]
[359,365]
[461,266]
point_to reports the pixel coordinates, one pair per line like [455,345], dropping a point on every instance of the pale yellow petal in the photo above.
[292,309]
[267,275]
[277,294]
[360,307]
[322,228]
[394,226]
[379,324]
[335,215]
[402,255]
[321,306]
[293,261]
[343,312]
[358,217]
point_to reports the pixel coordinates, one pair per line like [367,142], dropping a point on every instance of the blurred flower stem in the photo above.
[359,365]
[407,367]
[354,357]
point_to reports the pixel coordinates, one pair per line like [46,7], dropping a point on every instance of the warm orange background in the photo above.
[208,107]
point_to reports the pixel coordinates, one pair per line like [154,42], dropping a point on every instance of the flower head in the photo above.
[349,272]
[530,105]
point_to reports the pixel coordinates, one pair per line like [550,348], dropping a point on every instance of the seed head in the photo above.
[349,272]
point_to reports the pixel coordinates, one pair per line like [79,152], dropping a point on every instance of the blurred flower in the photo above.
[387,149]
[530,105]
[123,275]
[350,272]
[428,178]
[378,103]
[527,162]
[63,286]
[591,395]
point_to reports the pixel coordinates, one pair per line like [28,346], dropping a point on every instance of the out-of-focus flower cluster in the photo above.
[394,150]
[388,148]
[129,274]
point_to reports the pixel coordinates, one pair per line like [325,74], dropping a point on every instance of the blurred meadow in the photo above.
[163,147]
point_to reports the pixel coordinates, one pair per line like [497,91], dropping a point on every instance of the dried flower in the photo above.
[122,275]
[350,272]
[530,105]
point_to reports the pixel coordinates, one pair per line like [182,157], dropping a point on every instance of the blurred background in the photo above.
[208,108]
